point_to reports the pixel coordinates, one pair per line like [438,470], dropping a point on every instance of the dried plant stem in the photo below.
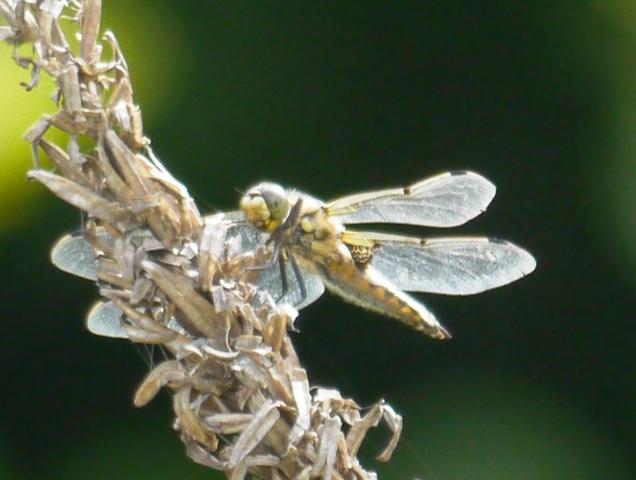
[242,401]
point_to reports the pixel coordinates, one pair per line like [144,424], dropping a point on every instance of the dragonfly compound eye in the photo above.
[265,205]
[276,199]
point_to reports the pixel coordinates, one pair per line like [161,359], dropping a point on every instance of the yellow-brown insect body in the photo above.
[316,241]
[371,290]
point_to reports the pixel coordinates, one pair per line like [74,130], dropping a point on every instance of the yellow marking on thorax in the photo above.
[307,224]
[353,238]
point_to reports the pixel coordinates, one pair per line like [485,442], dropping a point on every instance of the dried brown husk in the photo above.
[242,400]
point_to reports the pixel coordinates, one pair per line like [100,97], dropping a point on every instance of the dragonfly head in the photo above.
[265,205]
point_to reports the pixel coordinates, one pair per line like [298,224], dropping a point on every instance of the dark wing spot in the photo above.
[498,240]
[456,173]
[361,255]
[406,190]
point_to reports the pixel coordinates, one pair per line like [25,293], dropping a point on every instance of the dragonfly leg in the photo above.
[294,213]
[283,277]
[299,278]
[276,236]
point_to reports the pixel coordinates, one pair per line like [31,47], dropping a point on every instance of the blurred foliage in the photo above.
[136,449]
[508,428]
[5,470]
[17,116]
[610,33]
[334,97]
[155,75]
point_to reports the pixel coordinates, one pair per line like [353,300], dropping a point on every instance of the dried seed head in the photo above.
[242,400]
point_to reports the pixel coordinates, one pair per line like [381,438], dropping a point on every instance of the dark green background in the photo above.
[338,97]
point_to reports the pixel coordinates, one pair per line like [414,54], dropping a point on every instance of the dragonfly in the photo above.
[373,270]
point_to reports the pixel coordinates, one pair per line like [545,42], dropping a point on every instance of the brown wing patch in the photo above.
[361,248]
[360,254]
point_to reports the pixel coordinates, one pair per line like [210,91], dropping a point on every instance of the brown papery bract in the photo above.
[242,401]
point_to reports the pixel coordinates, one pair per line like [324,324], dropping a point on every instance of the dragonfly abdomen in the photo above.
[371,290]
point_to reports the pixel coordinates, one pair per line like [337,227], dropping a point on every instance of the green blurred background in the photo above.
[333,98]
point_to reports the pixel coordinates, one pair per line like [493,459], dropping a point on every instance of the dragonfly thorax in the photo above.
[316,223]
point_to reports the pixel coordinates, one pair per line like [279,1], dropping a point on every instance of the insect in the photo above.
[373,270]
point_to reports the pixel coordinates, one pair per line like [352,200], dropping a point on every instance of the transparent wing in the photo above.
[73,254]
[451,266]
[270,279]
[105,319]
[445,200]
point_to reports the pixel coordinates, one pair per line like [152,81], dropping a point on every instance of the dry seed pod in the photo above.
[242,400]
